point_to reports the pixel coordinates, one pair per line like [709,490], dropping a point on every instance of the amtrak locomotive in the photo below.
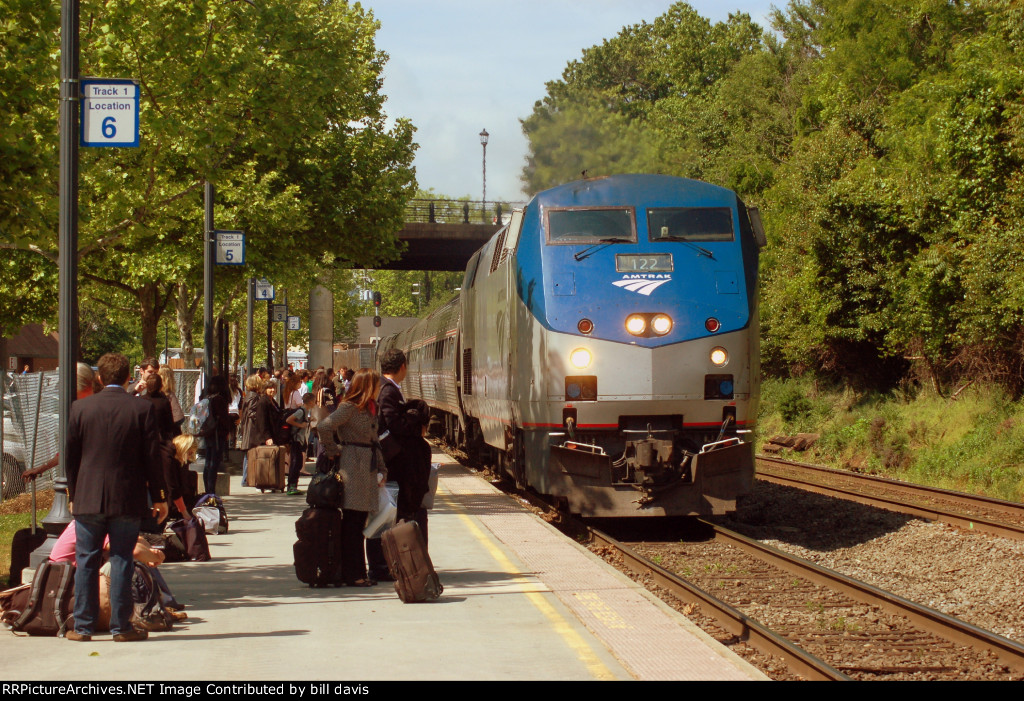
[604,347]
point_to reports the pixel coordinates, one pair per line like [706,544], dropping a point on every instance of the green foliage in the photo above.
[641,101]
[883,141]
[277,103]
[974,444]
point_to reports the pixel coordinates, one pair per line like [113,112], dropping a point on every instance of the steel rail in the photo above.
[935,513]
[1009,652]
[731,619]
[1009,507]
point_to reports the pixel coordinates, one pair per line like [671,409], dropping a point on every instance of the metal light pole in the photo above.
[67,257]
[209,256]
[248,331]
[483,142]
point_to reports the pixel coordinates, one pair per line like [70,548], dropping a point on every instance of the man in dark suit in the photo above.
[411,467]
[112,460]
[405,421]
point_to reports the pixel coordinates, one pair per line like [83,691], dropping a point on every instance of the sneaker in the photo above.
[77,637]
[293,492]
[130,636]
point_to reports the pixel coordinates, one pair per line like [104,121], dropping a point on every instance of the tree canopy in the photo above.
[278,103]
[884,142]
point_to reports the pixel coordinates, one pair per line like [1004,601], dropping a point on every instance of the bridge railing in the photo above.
[459,211]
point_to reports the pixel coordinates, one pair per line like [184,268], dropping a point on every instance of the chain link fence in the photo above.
[31,414]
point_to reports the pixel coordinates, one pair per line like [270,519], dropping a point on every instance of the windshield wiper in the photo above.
[700,249]
[590,250]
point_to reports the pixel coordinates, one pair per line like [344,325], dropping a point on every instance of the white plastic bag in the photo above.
[428,498]
[209,516]
[387,511]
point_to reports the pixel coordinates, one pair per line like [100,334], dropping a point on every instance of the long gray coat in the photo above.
[349,424]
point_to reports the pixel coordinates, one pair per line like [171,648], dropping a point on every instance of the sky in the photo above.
[457,67]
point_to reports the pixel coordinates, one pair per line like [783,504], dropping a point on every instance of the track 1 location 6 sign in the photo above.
[110,112]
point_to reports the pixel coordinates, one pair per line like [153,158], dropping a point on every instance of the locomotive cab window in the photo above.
[594,225]
[690,224]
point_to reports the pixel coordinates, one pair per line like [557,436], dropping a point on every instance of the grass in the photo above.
[974,443]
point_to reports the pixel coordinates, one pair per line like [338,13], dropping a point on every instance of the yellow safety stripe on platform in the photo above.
[573,639]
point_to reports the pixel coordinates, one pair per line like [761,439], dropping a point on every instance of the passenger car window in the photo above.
[690,224]
[596,225]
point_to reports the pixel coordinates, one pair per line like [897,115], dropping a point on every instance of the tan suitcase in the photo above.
[267,464]
[409,563]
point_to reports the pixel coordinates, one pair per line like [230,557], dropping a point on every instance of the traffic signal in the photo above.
[376,301]
[376,321]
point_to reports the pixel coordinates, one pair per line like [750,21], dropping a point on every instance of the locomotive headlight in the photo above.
[719,356]
[661,324]
[580,358]
[636,324]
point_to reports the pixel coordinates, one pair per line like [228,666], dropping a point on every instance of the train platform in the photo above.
[521,602]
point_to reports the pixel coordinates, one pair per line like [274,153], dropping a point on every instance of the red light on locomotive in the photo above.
[712,324]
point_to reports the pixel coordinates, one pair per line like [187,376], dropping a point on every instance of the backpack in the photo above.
[46,606]
[284,429]
[200,420]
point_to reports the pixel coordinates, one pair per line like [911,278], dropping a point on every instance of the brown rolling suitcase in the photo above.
[409,563]
[267,467]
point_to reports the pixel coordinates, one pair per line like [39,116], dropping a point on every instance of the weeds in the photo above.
[975,443]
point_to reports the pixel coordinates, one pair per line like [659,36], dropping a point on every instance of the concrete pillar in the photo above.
[321,327]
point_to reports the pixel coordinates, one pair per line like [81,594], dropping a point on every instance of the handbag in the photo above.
[326,490]
[192,538]
[321,411]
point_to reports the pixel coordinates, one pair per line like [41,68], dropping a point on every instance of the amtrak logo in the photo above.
[642,284]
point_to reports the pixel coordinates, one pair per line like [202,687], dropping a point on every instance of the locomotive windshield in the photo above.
[690,224]
[606,224]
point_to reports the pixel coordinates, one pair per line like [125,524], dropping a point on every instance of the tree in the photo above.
[278,103]
[617,108]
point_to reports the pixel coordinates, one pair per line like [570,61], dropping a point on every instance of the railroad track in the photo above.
[967,511]
[926,644]
[908,649]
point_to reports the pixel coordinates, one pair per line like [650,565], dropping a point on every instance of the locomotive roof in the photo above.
[634,189]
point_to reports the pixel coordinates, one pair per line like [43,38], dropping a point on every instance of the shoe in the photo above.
[293,492]
[362,583]
[77,637]
[130,636]
[179,615]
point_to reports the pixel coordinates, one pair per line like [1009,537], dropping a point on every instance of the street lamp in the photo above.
[483,142]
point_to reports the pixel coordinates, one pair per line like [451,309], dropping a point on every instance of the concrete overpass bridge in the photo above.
[444,234]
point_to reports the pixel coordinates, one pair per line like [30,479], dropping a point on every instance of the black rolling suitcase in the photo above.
[318,549]
[22,545]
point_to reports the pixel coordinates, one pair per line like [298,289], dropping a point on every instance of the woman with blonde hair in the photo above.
[186,448]
[350,434]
